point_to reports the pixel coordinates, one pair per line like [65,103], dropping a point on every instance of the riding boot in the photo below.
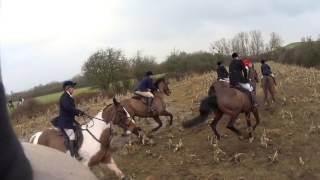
[149,104]
[73,151]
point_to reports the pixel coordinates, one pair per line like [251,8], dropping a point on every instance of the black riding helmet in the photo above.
[234,55]
[68,83]
[149,73]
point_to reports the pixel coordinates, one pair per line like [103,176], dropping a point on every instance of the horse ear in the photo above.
[115,102]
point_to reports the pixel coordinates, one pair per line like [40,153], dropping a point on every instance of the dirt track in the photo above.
[286,144]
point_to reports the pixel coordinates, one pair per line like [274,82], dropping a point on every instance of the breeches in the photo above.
[70,133]
[246,86]
[144,94]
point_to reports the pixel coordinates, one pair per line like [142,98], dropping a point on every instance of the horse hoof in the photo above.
[151,142]
[251,140]
[126,178]
[241,138]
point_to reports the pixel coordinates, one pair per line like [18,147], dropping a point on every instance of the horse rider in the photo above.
[246,63]
[239,77]
[222,72]
[266,70]
[145,87]
[66,121]
[253,76]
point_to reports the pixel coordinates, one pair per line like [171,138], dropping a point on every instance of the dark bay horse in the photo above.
[225,100]
[97,136]
[268,86]
[138,108]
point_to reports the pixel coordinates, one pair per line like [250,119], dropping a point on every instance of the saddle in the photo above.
[243,90]
[139,97]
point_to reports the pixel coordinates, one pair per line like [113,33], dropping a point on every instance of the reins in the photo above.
[87,126]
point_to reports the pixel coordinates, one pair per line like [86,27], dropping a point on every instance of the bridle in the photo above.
[128,119]
[121,123]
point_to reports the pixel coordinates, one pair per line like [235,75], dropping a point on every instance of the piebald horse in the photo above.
[97,135]
[33,162]
[137,108]
[225,100]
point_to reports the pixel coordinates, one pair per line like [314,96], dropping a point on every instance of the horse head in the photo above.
[163,86]
[123,119]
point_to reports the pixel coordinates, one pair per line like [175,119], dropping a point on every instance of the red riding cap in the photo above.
[246,62]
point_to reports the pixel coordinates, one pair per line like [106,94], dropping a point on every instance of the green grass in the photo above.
[55,96]
[293,45]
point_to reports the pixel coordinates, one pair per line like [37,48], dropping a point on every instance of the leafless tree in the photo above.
[256,42]
[222,46]
[240,43]
[275,41]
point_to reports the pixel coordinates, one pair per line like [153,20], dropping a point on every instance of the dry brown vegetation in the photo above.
[286,144]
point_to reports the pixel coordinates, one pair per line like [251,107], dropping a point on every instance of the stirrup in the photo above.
[77,156]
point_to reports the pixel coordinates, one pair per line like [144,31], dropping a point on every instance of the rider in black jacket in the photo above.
[67,113]
[222,72]
[238,76]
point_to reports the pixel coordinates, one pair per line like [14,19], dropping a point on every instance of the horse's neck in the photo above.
[159,94]
[96,127]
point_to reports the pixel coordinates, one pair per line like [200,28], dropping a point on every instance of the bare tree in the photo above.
[240,43]
[256,42]
[274,42]
[222,46]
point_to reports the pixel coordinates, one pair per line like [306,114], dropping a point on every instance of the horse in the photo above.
[253,77]
[97,135]
[268,86]
[225,100]
[10,104]
[21,101]
[136,107]
[26,161]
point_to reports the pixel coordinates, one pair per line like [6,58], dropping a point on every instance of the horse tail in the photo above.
[35,138]
[206,107]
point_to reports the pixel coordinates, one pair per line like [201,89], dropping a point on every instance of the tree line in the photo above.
[110,70]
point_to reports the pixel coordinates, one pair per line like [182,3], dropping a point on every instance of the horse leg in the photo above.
[249,124]
[217,116]
[157,119]
[272,93]
[265,91]
[257,118]
[108,160]
[166,113]
[231,126]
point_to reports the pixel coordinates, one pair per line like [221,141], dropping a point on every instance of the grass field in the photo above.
[285,147]
[55,96]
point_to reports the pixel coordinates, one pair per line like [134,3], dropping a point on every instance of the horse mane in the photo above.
[158,81]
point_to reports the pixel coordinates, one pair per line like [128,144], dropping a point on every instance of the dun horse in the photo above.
[268,86]
[136,106]
[97,133]
[225,100]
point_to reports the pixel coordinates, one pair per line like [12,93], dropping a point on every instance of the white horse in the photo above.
[51,164]
[95,148]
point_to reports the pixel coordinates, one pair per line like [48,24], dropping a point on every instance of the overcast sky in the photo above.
[49,40]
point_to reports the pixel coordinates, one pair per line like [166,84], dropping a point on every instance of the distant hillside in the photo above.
[305,54]
[293,45]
